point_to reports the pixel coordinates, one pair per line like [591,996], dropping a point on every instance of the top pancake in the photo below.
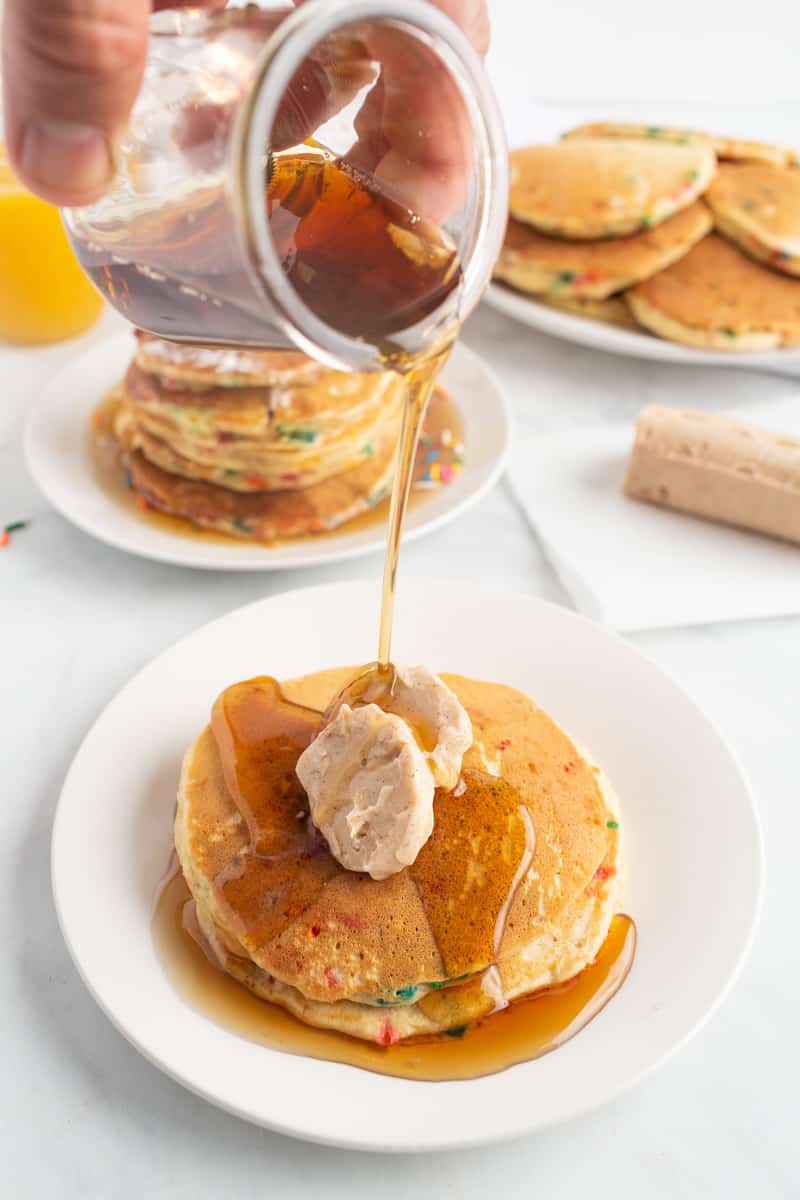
[335,935]
[716,296]
[595,188]
[192,366]
[735,149]
[759,208]
[535,263]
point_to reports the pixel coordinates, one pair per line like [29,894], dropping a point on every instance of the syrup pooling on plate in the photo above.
[525,1030]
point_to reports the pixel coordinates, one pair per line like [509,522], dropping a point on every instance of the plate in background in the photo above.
[614,340]
[57,448]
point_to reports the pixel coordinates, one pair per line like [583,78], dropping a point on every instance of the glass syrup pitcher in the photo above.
[332,177]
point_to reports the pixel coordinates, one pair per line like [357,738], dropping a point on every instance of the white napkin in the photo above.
[634,566]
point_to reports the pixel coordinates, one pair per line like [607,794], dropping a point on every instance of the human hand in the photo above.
[72,70]
[71,73]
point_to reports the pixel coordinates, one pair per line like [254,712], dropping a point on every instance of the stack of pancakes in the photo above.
[514,891]
[692,236]
[258,444]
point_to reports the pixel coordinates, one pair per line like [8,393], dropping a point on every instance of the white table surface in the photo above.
[82,1116]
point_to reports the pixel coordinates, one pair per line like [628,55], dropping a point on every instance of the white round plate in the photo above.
[692,837]
[599,336]
[57,448]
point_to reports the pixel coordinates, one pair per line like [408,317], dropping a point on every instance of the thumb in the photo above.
[71,72]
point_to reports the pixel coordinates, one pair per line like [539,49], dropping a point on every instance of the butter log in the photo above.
[717,468]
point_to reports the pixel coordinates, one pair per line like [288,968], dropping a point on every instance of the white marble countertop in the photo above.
[83,1116]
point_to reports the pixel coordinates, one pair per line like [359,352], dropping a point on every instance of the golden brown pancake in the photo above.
[266,516]
[190,366]
[718,297]
[426,949]
[254,440]
[613,311]
[596,188]
[536,263]
[758,207]
[726,148]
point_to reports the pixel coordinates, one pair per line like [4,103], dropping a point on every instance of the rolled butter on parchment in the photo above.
[718,468]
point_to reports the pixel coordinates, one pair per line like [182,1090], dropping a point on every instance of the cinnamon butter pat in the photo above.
[718,468]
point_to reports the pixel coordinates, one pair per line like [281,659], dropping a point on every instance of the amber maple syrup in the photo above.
[525,1030]
[364,264]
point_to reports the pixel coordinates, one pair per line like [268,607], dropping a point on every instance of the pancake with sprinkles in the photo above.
[599,188]
[758,207]
[514,890]
[718,297]
[612,311]
[725,148]
[259,439]
[533,262]
[266,445]
[265,516]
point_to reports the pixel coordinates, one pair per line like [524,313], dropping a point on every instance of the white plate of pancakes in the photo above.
[659,243]
[89,488]
[686,818]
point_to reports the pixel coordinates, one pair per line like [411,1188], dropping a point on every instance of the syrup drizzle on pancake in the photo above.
[469,868]
[260,735]
[467,872]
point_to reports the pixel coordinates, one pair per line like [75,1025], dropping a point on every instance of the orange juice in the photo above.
[44,295]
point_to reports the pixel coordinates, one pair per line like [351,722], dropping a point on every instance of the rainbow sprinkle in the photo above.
[297,435]
[439,459]
[14,527]
[388,1036]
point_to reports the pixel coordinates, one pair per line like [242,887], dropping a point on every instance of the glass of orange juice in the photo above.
[44,294]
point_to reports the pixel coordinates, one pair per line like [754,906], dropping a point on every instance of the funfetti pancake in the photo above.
[726,148]
[596,188]
[716,296]
[288,460]
[309,412]
[266,516]
[259,439]
[758,207]
[497,898]
[613,311]
[536,263]
[183,365]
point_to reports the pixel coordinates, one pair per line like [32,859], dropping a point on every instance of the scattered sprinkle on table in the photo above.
[14,527]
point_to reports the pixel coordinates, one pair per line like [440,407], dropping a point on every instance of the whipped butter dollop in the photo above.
[371,773]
